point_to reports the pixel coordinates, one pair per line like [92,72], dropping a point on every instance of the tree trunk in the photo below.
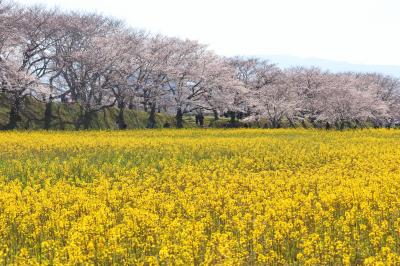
[14,117]
[327,126]
[121,117]
[342,125]
[201,120]
[151,122]
[313,121]
[130,105]
[276,123]
[86,119]
[48,115]
[216,116]
[179,118]
[291,122]
[232,121]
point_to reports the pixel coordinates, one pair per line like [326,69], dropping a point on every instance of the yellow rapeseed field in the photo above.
[200,197]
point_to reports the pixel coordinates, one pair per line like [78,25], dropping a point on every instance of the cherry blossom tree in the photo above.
[86,59]
[276,100]
[351,99]
[223,92]
[186,77]
[257,76]
[153,74]
[26,58]
[124,81]
[310,86]
[387,89]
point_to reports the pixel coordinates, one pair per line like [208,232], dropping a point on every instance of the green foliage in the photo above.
[65,116]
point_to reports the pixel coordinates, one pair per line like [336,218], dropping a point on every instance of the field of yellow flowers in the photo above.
[195,197]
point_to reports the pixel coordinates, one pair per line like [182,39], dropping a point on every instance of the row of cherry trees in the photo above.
[97,62]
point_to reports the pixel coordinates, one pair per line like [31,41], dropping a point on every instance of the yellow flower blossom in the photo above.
[200,197]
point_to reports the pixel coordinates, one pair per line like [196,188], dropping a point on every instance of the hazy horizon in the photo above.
[287,61]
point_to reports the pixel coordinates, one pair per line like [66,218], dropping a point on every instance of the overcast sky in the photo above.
[356,31]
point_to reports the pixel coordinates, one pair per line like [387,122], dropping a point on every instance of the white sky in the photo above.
[356,31]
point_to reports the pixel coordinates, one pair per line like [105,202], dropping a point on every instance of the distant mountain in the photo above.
[285,61]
